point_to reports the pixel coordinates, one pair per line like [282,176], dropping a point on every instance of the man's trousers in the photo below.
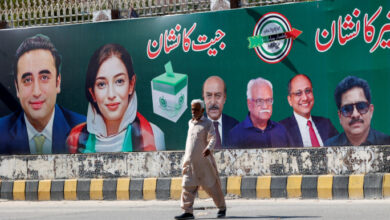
[189,192]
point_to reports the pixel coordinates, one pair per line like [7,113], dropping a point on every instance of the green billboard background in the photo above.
[235,63]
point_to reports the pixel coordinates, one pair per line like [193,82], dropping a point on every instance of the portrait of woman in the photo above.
[113,122]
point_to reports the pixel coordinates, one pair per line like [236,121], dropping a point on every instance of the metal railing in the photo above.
[25,13]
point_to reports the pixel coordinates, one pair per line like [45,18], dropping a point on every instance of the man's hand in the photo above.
[185,170]
[206,152]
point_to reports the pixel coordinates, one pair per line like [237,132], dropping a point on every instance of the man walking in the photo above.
[199,167]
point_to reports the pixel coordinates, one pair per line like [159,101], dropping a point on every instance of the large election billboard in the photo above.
[127,85]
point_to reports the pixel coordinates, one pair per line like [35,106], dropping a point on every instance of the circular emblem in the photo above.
[269,26]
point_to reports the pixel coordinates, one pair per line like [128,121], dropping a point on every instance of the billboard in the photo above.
[165,61]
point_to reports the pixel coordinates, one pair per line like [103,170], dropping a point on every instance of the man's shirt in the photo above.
[219,126]
[304,130]
[374,138]
[245,135]
[47,132]
[197,169]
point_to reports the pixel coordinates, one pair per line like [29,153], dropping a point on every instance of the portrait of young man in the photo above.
[40,126]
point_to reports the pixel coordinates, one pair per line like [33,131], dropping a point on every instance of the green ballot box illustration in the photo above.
[169,93]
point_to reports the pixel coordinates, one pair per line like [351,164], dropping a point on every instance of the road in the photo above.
[161,210]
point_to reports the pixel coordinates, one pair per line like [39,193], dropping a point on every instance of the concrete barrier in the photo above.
[163,188]
[70,189]
[307,173]
[325,187]
[123,189]
[265,187]
[309,187]
[245,162]
[373,186]
[109,189]
[7,188]
[57,189]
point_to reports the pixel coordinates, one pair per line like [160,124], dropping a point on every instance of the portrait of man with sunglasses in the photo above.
[355,110]
[258,130]
[304,129]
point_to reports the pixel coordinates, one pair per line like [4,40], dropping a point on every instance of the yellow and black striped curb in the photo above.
[367,186]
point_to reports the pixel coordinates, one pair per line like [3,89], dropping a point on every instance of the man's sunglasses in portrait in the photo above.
[361,107]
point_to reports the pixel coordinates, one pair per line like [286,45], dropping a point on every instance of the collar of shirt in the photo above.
[370,140]
[302,121]
[219,120]
[304,130]
[193,121]
[342,140]
[47,131]
[248,123]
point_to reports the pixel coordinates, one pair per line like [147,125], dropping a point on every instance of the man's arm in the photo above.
[211,139]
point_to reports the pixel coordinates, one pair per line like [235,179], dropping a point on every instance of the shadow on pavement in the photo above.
[265,217]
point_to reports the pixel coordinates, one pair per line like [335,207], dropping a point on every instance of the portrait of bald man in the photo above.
[303,128]
[214,94]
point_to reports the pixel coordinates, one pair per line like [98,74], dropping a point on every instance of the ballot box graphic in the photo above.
[169,94]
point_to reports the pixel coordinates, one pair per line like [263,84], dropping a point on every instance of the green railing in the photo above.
[26,13]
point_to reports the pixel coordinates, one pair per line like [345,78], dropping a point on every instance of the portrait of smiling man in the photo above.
[258,130]
[304,129]
[355,111]
[41,126]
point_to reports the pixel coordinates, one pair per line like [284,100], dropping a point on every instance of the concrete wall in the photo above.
[252,162]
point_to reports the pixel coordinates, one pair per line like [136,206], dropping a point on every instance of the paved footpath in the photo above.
[204,209]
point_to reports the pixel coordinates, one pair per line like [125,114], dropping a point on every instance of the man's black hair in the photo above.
[36,42]
[348,83]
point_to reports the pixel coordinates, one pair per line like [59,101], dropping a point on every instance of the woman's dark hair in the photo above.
[98,57]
